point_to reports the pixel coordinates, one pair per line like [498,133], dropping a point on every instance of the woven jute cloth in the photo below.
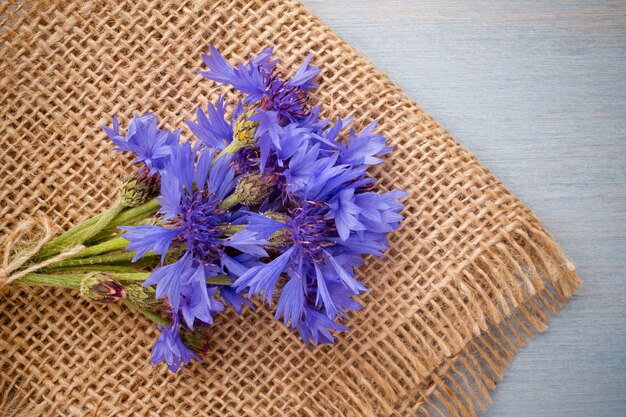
[470,276]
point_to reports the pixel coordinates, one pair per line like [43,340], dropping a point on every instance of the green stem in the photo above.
[51,280]
[128,217]
[131,276]
[229,201]
[219,280]
[113,244]
[154,317]
[78,234]
[232,147]
[98,267]
[102,259]
[231,229]
[74,280]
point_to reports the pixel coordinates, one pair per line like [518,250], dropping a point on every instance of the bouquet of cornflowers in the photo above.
[272,201]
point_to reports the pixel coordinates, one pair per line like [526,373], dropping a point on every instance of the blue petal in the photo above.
[212,129]
[263,278]
[247,79]
[202,167]
[182,165]
[171,193]
[362,148]
[368,243]
[170,348]
[268,124]
[146,237]
[234,299]
[262,225]
[222,177]
[345,213]
[168,280]
[322,292]
[316,327]
[346,278]
[247,241]
[304,75]
[234,267]
[198,302]
[291,302]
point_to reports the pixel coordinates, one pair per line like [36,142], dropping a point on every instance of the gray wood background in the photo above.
[537,90]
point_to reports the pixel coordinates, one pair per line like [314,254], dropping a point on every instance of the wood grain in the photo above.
[537,90]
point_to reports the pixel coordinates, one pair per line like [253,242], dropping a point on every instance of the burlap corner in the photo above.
[470,276]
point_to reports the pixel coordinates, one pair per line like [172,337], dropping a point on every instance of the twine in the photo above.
[19,238]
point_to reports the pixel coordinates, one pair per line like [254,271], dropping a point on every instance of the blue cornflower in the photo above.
[309,258]
[170,348]
[151,145]
[335,173]
[192,189]
[262,84]
[332,220]
[316,219]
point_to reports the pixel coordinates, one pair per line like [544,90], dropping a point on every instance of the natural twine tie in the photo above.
[19,249]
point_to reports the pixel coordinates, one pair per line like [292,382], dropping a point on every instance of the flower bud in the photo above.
[139,189]
[245,129]
[102,288]
[280,238]
[275,215]
[252,190]
[143,297]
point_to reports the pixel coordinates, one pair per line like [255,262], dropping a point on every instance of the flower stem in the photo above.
[78,234]
[219,280]
[51,280]
[231,229]
[98,268]
[229,201]
[103,259]
[131,276]
[232,147]
[126,218]
[74,280]
[154,317]
[113,244]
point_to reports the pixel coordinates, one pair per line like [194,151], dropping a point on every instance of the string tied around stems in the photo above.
[23,243]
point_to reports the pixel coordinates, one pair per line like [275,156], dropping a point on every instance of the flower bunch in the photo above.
[270,200]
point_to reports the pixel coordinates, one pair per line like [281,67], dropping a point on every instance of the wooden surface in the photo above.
[537,90]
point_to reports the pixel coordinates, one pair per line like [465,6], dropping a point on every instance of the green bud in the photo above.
[274,215]
[252,189]
[280,238]
[102,288]
[143,297]
[139,189]
[245,129]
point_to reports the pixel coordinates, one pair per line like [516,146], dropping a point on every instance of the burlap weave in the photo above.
[470,276]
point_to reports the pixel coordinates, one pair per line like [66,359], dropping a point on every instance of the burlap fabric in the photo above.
[470,276]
